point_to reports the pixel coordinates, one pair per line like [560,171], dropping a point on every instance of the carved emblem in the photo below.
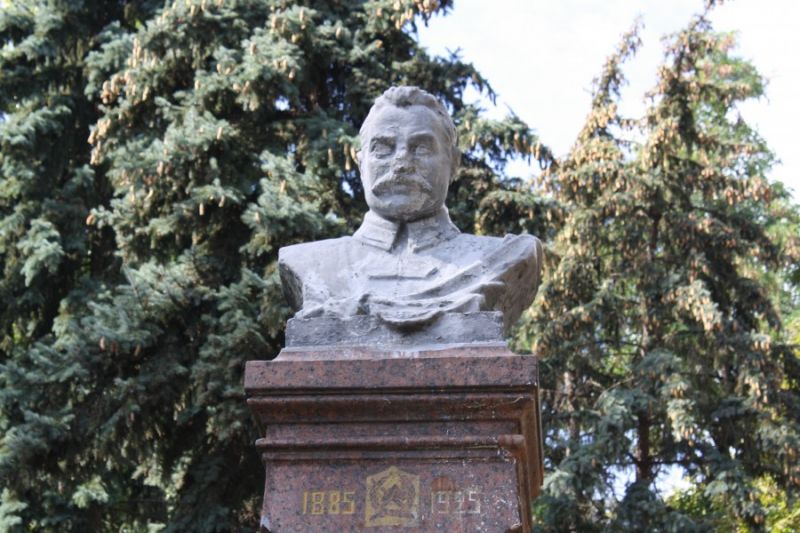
[392,499]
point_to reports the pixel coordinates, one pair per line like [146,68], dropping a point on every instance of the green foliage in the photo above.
[659,321]
[9,507]
[140,268]
[712,509]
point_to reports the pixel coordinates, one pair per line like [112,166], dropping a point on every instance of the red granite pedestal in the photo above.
[377,440]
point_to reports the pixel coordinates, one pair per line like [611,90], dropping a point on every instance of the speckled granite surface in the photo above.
[356,439]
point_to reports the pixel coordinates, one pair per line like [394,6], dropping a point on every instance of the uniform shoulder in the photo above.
[299,263]
[525,240]
[524,251]
[308,251]
[522,242]
[526,246]
[481,241]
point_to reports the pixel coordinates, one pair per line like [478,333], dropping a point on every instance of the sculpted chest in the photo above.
[345,267]
[409,286]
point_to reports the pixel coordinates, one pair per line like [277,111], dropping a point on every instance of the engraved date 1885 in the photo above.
[329,502]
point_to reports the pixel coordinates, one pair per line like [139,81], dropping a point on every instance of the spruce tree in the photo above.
[222,130]
[576,309]
[655,325]
[50,262]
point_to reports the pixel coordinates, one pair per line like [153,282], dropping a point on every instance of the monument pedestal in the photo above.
[358,439]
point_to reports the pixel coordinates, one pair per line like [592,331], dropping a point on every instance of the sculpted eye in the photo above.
[382,147]
[422,145]
[423,149]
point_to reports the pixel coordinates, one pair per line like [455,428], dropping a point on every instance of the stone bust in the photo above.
[408,275]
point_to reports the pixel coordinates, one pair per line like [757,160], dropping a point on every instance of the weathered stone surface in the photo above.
[356,439]
[450,328]
[407,267]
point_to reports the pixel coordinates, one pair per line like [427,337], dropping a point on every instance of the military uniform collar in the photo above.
[422,234]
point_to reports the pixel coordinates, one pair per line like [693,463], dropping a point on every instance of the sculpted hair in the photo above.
[406,96]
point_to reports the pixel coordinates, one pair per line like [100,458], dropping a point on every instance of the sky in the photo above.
[541,57]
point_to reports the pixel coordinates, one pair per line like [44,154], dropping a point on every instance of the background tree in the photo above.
[657,328]
[49,263]
[144,271]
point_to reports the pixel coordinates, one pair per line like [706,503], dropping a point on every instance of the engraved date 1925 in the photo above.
[467,501]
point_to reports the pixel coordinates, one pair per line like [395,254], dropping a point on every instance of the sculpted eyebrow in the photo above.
[422,136]
[381,138]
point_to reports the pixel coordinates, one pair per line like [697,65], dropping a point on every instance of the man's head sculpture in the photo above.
[408,277]
[409,154]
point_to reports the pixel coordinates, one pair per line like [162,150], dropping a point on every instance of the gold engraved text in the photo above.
[329,502]
[456,501]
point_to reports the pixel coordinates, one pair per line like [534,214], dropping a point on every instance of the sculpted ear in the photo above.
[291,281]
[455,160]
[360,163]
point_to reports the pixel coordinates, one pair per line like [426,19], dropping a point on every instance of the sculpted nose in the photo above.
[402,158]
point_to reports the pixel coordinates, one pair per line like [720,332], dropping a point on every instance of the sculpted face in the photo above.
[405,163]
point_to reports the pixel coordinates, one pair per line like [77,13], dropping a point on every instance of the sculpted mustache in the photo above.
[405,179]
